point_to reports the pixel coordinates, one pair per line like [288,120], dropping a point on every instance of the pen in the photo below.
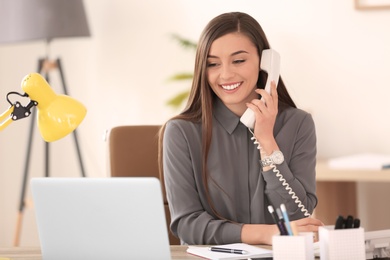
[356,223]
[286,219]
[282,228]
[349,222]
[339,223]
[346,223]
[227,250]
[282,222]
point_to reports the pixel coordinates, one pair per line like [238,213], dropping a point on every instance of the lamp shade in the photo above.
[26,20]
[58,115]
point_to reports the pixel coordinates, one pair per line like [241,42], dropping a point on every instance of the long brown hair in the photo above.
[199,108]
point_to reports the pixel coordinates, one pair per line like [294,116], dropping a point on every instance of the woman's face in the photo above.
[233,66]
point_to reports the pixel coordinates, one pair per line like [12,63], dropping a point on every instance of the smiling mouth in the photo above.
[231,86]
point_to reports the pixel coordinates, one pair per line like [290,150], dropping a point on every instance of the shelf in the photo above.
[324,173]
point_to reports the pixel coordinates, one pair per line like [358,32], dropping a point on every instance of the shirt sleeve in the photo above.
[297,140]
[189,219]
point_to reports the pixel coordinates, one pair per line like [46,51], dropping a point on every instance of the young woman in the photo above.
[218,183]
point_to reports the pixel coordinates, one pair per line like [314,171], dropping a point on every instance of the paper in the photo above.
[366,161]
[253,252]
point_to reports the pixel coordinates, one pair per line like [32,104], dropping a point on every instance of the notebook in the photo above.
[251,252]
[100,218]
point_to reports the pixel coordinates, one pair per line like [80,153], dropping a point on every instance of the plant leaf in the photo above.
[184,42]
[177,100]
[181,76]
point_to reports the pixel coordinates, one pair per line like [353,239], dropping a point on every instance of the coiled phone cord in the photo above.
[283,181]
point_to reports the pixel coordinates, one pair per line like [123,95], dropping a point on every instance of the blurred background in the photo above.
[335,63]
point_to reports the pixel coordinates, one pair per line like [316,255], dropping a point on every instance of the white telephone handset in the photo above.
[270,63]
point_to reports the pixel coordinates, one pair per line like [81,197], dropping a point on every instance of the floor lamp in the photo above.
[45,20]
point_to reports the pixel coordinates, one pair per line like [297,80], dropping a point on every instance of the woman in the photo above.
[217,188]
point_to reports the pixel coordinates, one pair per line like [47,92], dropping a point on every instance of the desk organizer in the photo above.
[298,247]
[341,244]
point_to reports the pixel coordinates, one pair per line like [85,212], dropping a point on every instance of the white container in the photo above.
[341,244]
[298,247]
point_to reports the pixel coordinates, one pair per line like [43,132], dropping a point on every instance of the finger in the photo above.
[253,107]
[270,101]
[263,108]
[264,94]
[313,229]
[309,221]
[265,98]
[259,103]
[259,109]
[274,92]
[314,221]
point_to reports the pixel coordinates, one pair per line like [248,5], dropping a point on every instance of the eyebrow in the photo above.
[234,53]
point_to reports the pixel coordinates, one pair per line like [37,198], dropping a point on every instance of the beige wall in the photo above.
[335,62]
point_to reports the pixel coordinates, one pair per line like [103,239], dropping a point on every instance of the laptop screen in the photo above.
[100,218]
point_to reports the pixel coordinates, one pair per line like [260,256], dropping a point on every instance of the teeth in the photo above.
[230,87]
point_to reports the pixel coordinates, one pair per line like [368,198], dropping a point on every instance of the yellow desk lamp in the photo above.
[58,115]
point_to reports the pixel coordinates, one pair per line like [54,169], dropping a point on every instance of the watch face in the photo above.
[277,157]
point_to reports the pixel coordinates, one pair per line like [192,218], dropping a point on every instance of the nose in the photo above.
[226,72]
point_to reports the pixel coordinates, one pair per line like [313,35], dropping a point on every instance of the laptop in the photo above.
[100,218]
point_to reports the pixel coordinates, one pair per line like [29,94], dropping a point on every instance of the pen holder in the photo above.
[298,247]
[337,244]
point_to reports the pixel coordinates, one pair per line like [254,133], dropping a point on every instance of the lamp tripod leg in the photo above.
[19,219]
[47,146]
[24,184]
[75,131]
[18,229]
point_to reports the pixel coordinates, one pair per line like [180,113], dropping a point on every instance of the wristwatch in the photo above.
[276,157]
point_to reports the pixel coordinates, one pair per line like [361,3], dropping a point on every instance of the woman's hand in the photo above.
[307,225]
[265,111]
[261,234]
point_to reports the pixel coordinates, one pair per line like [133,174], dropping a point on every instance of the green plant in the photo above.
[178,99]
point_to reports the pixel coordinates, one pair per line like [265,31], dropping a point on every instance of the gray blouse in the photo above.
[239,189]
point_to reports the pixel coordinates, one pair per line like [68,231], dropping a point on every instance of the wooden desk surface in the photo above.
[34,253]
[324,173]
[333,184]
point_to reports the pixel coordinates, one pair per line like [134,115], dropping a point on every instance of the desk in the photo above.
[34,253]
[336,190]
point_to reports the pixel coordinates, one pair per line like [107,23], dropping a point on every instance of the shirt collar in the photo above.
[228,120]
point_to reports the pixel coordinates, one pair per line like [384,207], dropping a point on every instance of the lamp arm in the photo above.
[16,111]
[5,118]
[21,112]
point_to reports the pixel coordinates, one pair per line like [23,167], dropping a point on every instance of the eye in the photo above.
[238,61]
[211,64]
